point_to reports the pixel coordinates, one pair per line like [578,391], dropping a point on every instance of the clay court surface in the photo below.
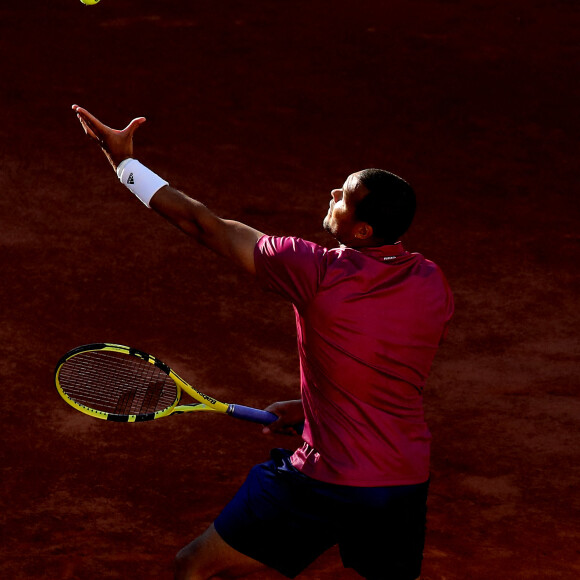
[259,109]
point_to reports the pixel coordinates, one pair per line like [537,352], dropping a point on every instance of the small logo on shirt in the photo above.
[387,258]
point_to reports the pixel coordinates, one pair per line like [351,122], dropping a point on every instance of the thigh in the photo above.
[385,538]
[274,519]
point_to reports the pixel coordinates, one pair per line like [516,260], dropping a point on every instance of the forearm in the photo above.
[230,239]
[189,215]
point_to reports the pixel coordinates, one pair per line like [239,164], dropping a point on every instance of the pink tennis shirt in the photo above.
[369,322]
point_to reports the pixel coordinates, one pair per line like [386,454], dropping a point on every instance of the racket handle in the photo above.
[251,414]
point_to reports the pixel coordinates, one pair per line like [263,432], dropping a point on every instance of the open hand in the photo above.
[116,145]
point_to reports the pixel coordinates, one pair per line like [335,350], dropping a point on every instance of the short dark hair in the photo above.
[389,207]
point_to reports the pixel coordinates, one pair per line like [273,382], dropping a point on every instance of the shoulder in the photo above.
[270,246]
[290,266]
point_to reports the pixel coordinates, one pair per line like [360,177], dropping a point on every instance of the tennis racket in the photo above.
[123,384]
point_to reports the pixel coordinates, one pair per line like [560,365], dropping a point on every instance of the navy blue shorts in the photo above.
[285,520]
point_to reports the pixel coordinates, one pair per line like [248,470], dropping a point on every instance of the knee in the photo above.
[184,564]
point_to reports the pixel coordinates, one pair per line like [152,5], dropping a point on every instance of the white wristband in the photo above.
[139,179]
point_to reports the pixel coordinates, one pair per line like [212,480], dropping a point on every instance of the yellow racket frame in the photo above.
[205,402]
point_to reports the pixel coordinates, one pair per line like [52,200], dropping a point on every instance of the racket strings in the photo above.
[117,383]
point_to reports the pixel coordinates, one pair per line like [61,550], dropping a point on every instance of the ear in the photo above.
[363,231]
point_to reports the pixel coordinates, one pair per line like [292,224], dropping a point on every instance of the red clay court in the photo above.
[259,109]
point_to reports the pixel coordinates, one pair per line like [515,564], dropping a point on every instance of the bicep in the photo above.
[235,241]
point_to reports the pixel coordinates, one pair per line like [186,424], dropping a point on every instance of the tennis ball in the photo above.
[90,2]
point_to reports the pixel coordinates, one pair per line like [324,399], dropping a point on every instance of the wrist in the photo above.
[140,180]
[119,168]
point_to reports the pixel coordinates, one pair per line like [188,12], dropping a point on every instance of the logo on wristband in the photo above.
[130,179]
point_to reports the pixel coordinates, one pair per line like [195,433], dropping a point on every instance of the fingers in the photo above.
[280,427]
[87,128]
[94,128]
[89,119]
[133,126]
[90,124]
[271,428]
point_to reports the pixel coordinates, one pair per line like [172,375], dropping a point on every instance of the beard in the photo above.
[326,226]
[326,223]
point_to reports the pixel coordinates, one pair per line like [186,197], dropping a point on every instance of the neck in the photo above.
[371,242]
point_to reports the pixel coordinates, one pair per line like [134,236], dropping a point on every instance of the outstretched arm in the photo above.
[231,239]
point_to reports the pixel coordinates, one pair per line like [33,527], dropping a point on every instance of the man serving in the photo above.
[370,317]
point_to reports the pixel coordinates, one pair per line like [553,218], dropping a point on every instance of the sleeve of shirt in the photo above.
[290,267]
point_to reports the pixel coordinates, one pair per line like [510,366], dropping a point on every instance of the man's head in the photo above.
[373,208]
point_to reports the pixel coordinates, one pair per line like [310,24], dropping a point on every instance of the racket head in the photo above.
[117,383]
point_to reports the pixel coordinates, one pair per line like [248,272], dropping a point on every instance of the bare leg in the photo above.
[209,556]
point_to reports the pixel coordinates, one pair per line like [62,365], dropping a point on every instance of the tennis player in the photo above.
[370,317]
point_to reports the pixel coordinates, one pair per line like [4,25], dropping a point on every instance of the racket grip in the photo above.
[251,414]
